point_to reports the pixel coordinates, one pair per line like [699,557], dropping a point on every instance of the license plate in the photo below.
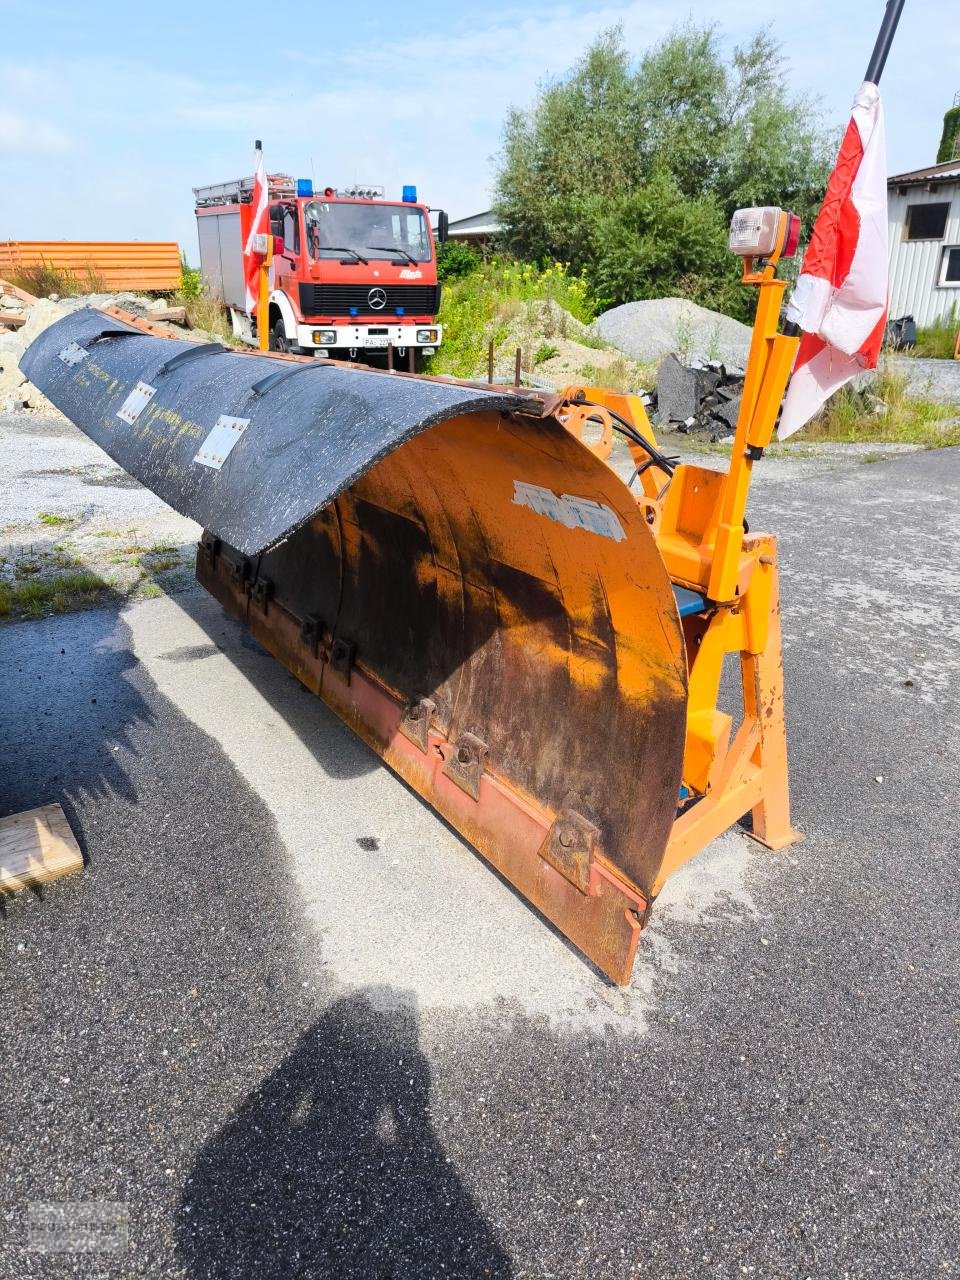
[376,342]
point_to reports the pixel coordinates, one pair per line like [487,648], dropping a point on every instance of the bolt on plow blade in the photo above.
[452,572]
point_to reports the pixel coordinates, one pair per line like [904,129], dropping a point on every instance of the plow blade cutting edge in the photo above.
[460,579]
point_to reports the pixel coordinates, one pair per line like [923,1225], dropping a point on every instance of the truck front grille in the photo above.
[342,299]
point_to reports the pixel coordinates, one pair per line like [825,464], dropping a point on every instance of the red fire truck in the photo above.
[353,273]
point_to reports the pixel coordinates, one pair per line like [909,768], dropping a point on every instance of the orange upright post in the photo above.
[263,302]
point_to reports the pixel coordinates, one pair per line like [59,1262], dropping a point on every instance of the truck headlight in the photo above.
[427,335]
[325,337]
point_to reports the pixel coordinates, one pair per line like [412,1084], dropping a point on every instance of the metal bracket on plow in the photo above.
[210,546]
[240,572]
[261,592]
[311,632]
[415,722]
[466,763]
[569,847]
[342,653]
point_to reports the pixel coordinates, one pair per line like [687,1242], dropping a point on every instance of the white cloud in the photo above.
[29,135]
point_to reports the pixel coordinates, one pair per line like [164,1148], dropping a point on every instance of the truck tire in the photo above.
[280,342]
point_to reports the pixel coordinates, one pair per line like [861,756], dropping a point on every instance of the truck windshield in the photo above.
[366,228]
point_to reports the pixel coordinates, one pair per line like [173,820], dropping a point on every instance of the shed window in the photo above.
[950,270]
[926,221]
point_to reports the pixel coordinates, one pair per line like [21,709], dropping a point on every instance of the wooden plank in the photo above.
[12,319]
[177,315]
[14,292]
[35,846]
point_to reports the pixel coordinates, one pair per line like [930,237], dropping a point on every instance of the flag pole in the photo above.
[884,40]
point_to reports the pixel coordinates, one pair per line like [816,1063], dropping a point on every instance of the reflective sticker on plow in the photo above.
[216,448]
[569,510]
[73,354]
[136,402]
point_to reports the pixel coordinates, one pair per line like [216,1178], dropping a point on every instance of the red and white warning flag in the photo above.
[258,226]
[840,301]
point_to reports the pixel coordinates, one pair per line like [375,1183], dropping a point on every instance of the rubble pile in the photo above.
[702,397]
[24,317]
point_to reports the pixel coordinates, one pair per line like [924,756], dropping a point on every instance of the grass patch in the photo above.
[42,279]
[885,413]
[150,591]
[937,340]
[545,352]
[50,517]
[206,312]
[620,374]
[59,594]
[160,564]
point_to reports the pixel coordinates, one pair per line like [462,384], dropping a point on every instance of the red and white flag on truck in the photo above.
[840,301]
[258,226]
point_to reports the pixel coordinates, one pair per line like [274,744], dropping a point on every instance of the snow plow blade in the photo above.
[460,579]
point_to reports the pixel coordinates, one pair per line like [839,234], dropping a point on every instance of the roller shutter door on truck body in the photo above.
[221,256]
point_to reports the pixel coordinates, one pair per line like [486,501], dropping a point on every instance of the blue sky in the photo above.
[111,112]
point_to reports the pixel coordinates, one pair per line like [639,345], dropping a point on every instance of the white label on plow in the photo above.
[73,354]
[216,448]
[568,510]
[136,402]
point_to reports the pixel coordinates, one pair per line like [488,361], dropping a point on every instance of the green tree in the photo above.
[949,148]
[630,171]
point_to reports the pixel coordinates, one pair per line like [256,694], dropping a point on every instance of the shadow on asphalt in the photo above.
[154,996]
[335,1157]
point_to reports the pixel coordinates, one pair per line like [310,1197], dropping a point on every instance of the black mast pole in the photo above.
[885,38]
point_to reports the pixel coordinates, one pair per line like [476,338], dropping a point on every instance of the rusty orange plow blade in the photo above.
[530,644]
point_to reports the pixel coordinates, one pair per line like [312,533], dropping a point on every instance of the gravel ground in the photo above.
[293,1027]
[106,523]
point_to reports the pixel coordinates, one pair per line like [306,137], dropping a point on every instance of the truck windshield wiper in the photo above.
[393,248]
[337,248]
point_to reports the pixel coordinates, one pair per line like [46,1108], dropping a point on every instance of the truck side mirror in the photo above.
[443,226]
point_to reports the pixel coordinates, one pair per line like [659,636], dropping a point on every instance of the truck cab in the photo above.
[354,275]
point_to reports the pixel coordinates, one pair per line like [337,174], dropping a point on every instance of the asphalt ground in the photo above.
[285,1024]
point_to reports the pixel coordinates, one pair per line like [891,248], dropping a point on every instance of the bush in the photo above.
[483,304]
[455,260]
[655,242]
[191,282]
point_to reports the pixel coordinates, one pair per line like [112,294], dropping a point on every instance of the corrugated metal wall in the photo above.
[915,264]
[134,265]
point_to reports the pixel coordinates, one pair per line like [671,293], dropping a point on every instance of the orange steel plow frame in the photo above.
[698,520]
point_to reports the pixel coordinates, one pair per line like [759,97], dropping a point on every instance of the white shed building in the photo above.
[479,229]
[924,213]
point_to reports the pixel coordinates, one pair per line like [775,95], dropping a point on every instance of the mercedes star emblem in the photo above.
[377,298]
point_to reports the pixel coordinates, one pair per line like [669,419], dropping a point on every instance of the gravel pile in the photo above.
[647,331]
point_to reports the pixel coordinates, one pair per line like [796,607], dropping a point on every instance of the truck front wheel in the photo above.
[280,342]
